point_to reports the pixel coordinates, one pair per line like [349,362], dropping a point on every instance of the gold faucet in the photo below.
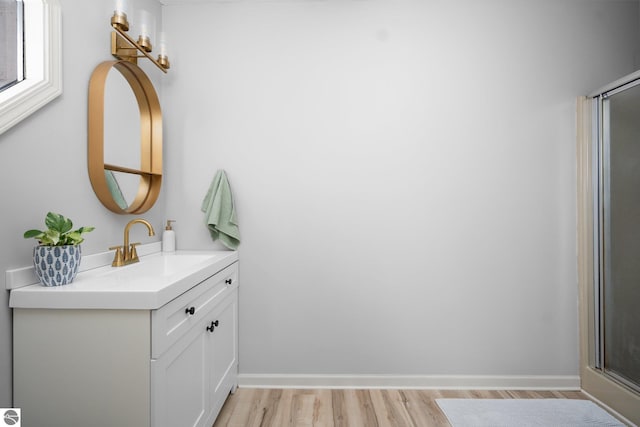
[127,253]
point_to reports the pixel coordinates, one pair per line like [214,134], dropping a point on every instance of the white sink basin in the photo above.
[148,284]
[161,265]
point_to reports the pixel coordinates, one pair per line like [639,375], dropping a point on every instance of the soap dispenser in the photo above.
[169,238]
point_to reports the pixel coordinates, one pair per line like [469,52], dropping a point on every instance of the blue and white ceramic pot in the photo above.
[56,265]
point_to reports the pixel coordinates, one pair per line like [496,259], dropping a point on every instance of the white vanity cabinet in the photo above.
[194,355]
[173,366]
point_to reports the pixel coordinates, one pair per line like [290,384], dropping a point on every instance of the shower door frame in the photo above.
[594,380]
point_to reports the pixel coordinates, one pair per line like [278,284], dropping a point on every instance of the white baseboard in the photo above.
[442,382]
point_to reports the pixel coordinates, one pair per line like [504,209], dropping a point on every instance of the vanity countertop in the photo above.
[154,281]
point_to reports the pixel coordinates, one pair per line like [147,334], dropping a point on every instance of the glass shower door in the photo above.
[619,286]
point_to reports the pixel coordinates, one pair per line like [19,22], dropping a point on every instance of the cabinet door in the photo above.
[176,318]
[180,392]
[223,352]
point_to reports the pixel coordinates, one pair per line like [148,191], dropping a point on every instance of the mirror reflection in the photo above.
[121,123]
[122,136]
[122,186]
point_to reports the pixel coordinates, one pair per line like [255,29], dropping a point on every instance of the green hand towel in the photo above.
[219,212]
[115,190]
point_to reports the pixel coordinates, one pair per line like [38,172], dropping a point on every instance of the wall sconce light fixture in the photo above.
[124,47]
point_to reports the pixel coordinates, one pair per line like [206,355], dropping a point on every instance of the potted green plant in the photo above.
[57,257]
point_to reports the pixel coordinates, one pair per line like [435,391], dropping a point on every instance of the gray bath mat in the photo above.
[525,413]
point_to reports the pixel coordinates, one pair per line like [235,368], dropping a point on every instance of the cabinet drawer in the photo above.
[174,319]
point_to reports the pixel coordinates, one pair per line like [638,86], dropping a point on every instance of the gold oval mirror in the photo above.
[108,179]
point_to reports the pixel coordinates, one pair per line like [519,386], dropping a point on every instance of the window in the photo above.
[31,74]
[11,43]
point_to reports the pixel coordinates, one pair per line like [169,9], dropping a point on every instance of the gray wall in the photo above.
[404,174]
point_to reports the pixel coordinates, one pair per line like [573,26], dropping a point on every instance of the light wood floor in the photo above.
[354,408]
